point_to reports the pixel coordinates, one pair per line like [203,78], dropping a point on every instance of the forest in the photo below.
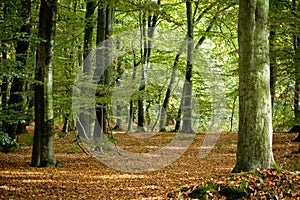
[149,99]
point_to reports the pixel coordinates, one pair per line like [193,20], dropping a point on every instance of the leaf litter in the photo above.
[190,177]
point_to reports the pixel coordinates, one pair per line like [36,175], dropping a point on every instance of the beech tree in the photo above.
[43,146]
[255,116]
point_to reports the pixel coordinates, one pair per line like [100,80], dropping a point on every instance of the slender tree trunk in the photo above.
[272,65]
[5,82]
[84,122]
[99,73]
[119,72]
[142,88]
[232,114]
[296,127]
[43,146]
[163,111]
[4,96]
[88,34]
[297,80]
[254,149]
[17,102]
[131,109]
[147,35]
[103,70]
[296,44]
[187,89]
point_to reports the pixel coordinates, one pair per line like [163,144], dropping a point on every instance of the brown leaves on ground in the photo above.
[84,177]
[259,184]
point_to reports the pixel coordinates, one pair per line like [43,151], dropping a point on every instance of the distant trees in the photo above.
[17,100]
[255,114]
[82,25]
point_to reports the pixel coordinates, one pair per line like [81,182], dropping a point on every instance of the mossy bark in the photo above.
[43,146]
[255,115]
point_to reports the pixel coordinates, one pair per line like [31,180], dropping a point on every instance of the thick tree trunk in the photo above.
[254,149]
[43,146]
[187,89]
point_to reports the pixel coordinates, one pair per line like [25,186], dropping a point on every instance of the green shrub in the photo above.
[27,140]
[7,144]
[73,149]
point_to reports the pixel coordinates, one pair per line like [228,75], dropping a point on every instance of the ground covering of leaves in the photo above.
[84,177]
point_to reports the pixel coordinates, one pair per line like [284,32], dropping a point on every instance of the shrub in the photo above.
[7,144]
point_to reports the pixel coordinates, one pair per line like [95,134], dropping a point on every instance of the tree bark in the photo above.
[187,89]
[84,122]
[43,146]
[296,43]
[254,149]
[296,126]
[103,70]
[272,65]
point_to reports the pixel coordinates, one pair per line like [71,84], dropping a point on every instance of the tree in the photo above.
[255,116]
[296,45]
[187,89]
[84,123]
[43,146]
[103,70]
[16,99]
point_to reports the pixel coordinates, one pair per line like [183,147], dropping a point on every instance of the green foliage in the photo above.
[62,134]
[234,192]
[73,149]
[294,166]
[26,140]
[7,144]
[201,191]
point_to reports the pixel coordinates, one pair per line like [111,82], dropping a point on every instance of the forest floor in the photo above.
[84,177]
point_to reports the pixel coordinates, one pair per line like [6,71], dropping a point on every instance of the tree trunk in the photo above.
[187,89]
[254,149]
[119,72]
[103,62]
[4,97]
[297,88]
[272,65]
[88,34]
[100,126]
[5,82]
[43,146]
[164,108]
[297,80]
[17,101]
[142,88]
[131,109]
[147,31]
[84,121]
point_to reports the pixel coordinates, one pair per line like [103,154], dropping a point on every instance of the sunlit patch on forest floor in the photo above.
[84,177]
